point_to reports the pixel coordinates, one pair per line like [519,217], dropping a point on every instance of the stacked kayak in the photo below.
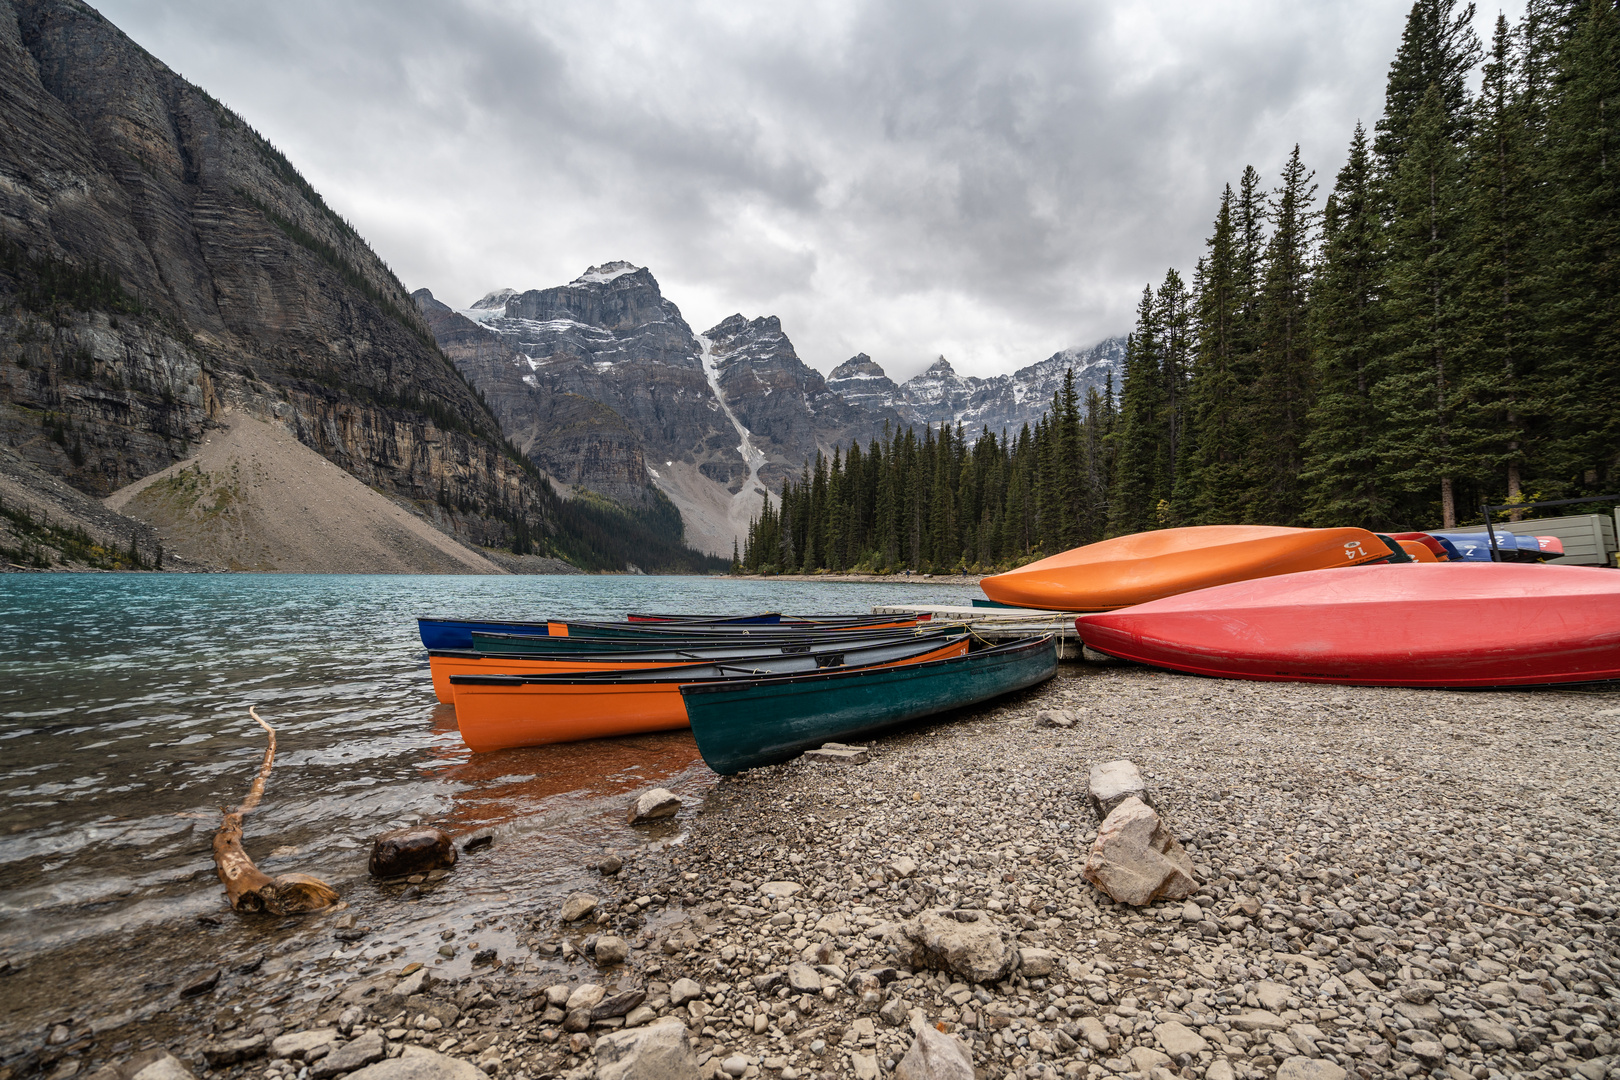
[535,683]
[1147,566]
[1510,547]
[1463,625]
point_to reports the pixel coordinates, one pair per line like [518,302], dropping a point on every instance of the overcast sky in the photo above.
[991,181]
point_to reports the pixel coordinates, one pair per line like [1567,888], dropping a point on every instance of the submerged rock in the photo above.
[403,852]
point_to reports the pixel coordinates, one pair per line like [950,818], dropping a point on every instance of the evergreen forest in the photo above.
[1439,332]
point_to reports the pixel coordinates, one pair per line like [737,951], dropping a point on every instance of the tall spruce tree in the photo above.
[1213,484]
[1139,438]
[1438,50]
[1501,264]
[1173,318]
[1426,438]
[1282,387]
[1582,305]
[1341,475]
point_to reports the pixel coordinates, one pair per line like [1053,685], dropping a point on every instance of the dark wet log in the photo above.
[246,886]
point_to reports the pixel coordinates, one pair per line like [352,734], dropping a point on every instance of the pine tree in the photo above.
[1139,439]
[1283,385]
[1438,50]
[1213,483]
[1341,475]
[1425,438]
[1173,319]
[1500,273]
[1582,309]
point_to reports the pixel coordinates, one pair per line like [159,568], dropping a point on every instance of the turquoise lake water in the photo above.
[124,729]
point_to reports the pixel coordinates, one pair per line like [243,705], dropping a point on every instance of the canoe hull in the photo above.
[1148,566]
[496,713]
[1423,624]
[746,725]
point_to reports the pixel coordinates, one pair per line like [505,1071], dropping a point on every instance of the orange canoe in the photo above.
[1149,566]
[497,712]
[444,663]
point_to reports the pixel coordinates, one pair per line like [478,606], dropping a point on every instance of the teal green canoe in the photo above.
[745,724]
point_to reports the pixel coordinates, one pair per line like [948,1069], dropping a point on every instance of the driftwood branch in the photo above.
[246,886]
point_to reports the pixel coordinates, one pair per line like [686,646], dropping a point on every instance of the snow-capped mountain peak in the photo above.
[601,275]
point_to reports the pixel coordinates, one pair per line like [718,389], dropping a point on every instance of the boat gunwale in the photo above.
[609,678]
[711,686]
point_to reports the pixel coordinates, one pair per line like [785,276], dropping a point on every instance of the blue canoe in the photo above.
[440,633]
[1476,547]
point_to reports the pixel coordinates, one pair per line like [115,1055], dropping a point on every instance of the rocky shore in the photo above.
[1389,883]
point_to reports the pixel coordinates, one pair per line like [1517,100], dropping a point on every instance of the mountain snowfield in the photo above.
[603,384]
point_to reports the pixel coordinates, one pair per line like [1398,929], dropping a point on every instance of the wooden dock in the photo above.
[1001,624]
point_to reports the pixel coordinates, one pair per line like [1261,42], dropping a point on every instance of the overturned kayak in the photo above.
[1432,624]
[1148,566]
[495,712]
[745,724]
[447,662]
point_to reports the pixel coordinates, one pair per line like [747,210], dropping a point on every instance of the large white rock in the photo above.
[935,1055]
[1135,859]
[1176,1039]
[654,804]
[1113,782]
[658,1051]
[418,1063]
[965,943]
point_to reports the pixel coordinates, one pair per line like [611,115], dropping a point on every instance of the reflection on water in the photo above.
[124,729]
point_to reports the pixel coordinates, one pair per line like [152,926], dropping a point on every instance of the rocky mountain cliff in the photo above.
[161,264]
[603,384]
[1002,402]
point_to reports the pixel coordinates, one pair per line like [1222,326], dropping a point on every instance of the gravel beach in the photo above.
[1392,883]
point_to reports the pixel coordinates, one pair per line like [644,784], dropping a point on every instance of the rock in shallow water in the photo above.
[577,906]
[653,805]
[403,852]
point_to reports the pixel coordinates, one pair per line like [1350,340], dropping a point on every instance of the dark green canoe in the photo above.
[745,724]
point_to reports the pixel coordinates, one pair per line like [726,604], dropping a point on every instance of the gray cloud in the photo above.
[988,179]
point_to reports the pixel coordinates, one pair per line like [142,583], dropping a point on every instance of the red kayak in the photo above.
[1416,624]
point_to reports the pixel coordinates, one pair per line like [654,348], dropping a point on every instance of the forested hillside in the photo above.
[1438,333]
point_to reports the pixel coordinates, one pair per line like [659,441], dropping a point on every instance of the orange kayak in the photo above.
[497,712]
[1151,565]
